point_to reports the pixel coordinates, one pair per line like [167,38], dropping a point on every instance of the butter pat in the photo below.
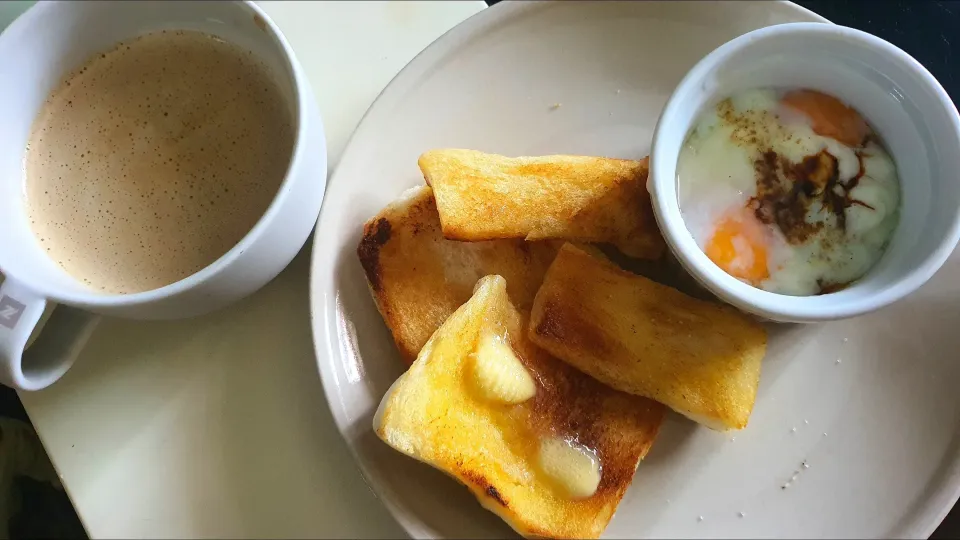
[574,469]
[499,374]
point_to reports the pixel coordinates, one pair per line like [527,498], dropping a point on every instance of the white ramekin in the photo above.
[898,96]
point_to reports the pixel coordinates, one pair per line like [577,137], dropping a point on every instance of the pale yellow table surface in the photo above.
[217,426]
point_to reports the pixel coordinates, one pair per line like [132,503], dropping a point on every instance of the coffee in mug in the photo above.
[155,158]
[159,160]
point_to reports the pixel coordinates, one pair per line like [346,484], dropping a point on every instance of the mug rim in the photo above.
[664,191]
[300,84]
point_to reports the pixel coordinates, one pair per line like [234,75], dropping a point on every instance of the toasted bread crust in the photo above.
[418,278]
[699,358]
[588,199]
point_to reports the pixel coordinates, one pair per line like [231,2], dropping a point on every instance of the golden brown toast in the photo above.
[588,199]
[699,358]
[418,278]
[436,413]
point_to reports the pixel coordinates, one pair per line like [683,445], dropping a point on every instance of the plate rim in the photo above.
[922,524]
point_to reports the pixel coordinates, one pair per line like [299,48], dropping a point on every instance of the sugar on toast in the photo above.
[437,413]
[587,199]
[418,278]
[699,358]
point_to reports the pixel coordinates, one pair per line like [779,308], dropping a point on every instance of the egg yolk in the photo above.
[739,247]
[829,116]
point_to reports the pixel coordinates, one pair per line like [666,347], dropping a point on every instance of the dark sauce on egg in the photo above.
[786,191]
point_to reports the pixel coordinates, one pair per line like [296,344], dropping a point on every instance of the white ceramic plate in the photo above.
[872,405]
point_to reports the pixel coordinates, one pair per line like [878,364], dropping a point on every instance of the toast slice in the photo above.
[418,278]
[587,199]
[508,441]
[699,358]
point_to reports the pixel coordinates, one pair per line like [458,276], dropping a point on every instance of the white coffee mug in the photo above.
[36,52]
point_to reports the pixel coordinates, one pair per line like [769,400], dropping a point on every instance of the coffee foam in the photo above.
[154,159]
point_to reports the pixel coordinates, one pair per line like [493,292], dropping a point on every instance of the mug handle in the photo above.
[51,354]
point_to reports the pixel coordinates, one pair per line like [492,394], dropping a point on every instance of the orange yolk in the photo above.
[829,116]
[739,247]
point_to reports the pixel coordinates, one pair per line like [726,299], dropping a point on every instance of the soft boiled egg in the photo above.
[789,191]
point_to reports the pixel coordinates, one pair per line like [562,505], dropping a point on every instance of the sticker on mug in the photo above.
[10,312]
